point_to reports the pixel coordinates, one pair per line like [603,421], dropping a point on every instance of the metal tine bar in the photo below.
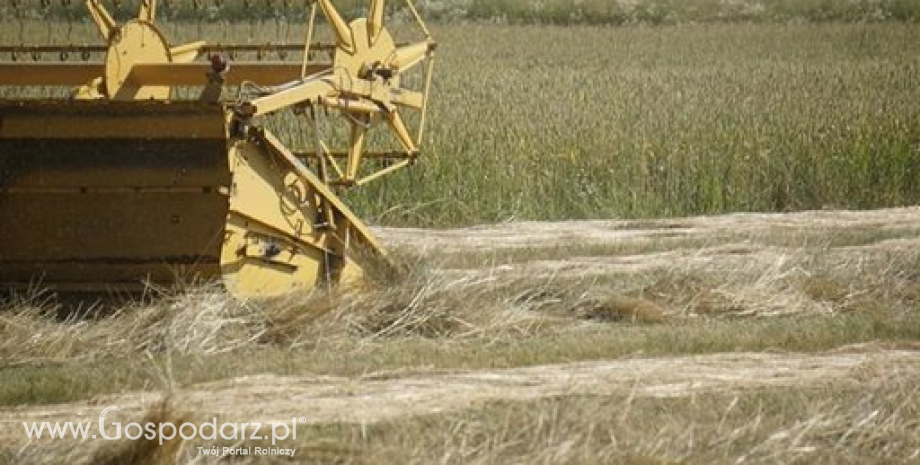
[426,93]
[383,172]
[101,17]
[218,47]
[418,18]
[399,127]
[52,48]
[332,159]
[357,138]
[308,39]
[377,155]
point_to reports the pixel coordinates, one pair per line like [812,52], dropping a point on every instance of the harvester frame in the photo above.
[121,185]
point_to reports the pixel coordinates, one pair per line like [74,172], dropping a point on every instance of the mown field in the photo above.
[760,339]
[566,110]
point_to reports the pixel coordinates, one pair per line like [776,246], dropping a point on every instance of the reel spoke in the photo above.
[410,98]
[408,56]
[399,127]
[375,20]
[187,53]
[343,33]
[148,10]
[357,141]
[102,18]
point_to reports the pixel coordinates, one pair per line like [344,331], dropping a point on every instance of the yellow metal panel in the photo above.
[111,120]
[116,202]
[154,74]
[267,192]
[49,74]
[136,42]
[245,275]
[274,242]
[357,229]
[65,127]
[269,206]
[113,165]
[97,227]
[115,235]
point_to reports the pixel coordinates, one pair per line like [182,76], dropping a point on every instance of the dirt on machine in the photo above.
[157,165]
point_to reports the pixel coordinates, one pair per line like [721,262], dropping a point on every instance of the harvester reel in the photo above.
[366,85]
[138,41]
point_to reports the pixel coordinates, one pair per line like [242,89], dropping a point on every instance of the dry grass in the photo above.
[434,316]
[127,452]
[429,315]
[142,451]
[483,305]
[872,423]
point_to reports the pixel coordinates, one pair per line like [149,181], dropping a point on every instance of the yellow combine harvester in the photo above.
[123,184]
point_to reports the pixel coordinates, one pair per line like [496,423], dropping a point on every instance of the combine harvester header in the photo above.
[157,166]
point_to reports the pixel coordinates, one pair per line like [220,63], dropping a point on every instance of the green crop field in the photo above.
[537,122]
